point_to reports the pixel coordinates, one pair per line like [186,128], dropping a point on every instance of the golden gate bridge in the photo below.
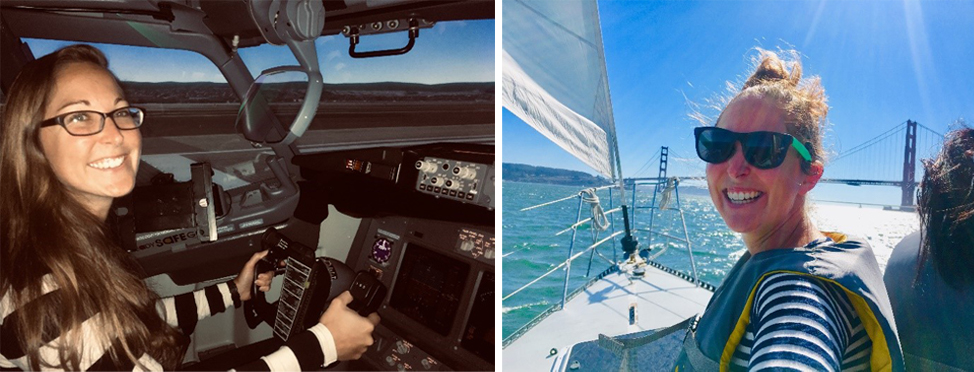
[888,159]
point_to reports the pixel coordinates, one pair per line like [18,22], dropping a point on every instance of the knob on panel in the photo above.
[467,173]
[425,166]
[401,347]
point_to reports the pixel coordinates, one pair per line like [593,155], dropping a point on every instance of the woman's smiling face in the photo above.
[752,200]
[97,168]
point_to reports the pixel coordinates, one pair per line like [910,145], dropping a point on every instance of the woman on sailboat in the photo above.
[799,298]
[929,276]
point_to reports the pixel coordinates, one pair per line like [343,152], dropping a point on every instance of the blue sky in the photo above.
[881,63]
[456,51]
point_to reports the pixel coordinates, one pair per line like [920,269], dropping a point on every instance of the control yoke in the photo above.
[310,284]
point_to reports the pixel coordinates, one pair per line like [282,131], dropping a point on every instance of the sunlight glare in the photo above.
[920,51]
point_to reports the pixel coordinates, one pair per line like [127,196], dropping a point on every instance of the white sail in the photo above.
[554,77]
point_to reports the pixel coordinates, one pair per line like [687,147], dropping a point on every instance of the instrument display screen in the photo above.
[478,334]
[429,288]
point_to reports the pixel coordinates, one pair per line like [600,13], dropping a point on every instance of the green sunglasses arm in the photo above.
[801,149]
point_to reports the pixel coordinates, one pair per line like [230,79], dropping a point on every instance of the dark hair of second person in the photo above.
[928,276]
[946,207]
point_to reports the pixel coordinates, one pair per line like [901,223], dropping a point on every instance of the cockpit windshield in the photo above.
[445,84]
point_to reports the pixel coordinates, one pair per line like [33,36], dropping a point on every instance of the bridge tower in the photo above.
[663,154]
[909,165]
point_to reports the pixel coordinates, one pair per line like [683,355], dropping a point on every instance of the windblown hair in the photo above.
[946,206]
[803,100]
[45,230]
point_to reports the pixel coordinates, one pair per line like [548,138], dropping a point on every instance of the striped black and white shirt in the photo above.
[182,311]
[801,323]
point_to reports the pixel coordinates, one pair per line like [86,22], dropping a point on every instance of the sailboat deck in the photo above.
[661,299]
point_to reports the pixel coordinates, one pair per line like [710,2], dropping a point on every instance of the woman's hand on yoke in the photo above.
[352,332]
[245,279]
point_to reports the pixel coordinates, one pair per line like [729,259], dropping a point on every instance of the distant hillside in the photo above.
[530,173]
[201,92]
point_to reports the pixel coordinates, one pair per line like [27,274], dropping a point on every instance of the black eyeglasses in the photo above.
[87,123]
[763,150]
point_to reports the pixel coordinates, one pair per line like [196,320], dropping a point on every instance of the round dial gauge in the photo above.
[381,250]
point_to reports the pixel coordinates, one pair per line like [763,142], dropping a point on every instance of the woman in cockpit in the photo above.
[71,297]
[799,298]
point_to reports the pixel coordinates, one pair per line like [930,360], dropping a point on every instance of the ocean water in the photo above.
[531,246]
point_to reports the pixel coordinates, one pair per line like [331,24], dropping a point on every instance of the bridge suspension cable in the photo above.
[931,130]
[687,161]
[869,142]
[647,164]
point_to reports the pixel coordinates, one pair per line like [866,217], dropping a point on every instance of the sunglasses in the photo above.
[763,150]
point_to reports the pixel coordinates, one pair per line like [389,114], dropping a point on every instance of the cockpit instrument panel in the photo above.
[462,173]
[429,287]
[427,234]
[478,333]
[476,244]
[439,311]
[454,179]
[442,181]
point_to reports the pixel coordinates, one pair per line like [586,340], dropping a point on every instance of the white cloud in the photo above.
[339,66]
[441,27]
[198,76]
[326,39]
[332,55]
[338,78]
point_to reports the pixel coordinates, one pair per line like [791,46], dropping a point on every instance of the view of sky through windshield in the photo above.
[450,52]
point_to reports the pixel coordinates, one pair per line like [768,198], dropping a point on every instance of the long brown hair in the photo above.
[946,207]
[46,231]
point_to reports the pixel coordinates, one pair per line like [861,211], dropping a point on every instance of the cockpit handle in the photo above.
[353,40]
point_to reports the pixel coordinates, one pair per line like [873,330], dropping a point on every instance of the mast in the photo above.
[629,242]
